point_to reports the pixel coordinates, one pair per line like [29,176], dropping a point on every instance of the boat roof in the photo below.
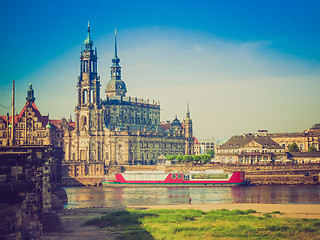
[208,172]
[144,172]
[217,171]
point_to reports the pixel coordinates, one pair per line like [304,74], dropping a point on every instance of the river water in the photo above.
[80,197]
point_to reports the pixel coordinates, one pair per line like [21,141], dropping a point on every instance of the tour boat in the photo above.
[192,178]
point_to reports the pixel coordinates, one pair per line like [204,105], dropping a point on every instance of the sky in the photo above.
[242,65]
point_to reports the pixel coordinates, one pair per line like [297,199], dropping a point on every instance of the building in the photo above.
[202,146]
[31,127]
[251,149]
[310,137]
[118,129]
[304,157]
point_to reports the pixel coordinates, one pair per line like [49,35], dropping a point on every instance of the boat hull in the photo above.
[175,179]
[118,184]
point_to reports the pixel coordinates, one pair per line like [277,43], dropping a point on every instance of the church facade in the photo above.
[118,129]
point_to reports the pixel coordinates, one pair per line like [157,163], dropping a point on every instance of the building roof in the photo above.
[55,123]
[315,127]
[165,125]
[43,119]
[236,142]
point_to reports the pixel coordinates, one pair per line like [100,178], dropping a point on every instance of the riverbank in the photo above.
[287,210]
[70,224]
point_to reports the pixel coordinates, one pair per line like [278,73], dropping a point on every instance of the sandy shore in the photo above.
[70,223]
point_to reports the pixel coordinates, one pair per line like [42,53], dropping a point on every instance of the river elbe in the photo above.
[80,197]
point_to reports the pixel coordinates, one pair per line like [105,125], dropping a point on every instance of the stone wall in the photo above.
[283,179]
[82,181]
[27,181]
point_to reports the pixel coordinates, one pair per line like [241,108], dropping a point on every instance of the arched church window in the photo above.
[91,96]
[85,97]
[83,122]
[85,66]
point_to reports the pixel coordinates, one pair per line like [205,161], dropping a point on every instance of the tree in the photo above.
[187,158]
[206,158]
[211,152]
[171,157]
[294,147]
[196,158]
[179,158]
[312,149]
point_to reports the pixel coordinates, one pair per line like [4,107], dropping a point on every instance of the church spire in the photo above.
[115,59]
[188,111]
[88,42]
[116,86]
[115,43]
[30,95]
[188,133]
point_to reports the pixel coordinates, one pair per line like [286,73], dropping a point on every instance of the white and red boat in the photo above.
[192,178]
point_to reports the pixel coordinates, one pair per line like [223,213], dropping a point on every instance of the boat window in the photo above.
[173,176]
[179,176]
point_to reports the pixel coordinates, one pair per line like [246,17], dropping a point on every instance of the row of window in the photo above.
[133,111]
[247,159]
[251,151]
[144,156]
[160,145]
[22,125]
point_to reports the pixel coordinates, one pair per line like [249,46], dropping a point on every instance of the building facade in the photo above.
[31,127]
[310,137]
[250,149]
[118,129]
[202,146]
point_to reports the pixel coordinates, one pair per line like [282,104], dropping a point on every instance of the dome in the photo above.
[48,125]
[117,86]
[176,122]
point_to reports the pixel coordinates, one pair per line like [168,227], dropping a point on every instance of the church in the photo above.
[118,129]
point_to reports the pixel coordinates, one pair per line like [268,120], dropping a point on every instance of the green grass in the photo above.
[215,224]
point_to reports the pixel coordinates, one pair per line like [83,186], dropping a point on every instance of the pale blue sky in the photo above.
[243,65]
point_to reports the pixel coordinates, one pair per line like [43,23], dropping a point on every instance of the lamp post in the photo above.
[12,142]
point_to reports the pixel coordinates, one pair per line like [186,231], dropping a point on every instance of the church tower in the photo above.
[116,87]
[188,133]
[88,89]
[30,95]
